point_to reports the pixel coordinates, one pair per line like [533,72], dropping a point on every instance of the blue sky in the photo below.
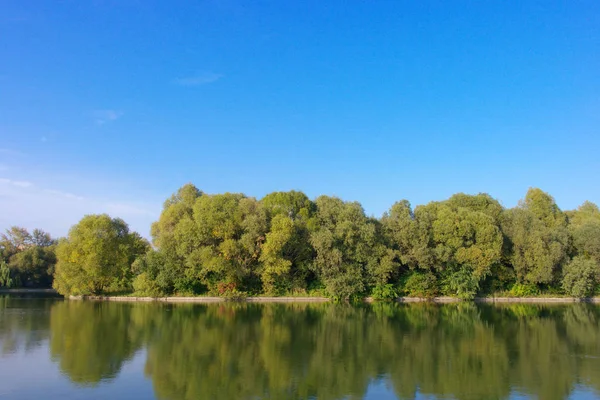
[110,106]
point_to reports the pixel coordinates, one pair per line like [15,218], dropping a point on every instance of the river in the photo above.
[52,348]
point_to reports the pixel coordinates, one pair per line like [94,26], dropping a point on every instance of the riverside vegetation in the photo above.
[286,244]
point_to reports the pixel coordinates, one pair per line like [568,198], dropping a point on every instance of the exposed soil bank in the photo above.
[263,299]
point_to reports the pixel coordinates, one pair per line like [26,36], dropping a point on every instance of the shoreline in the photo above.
[266,299]
[29,291]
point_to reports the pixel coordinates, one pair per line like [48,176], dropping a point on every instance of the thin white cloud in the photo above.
[56,210]
[64,194]
[22,184]
[201,78]
[104,116]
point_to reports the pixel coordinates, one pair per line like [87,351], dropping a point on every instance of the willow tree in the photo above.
[581,275]
[96,256]
[459,240]
[584,224]
[345,243]
[538,237]
[6,281]
[400,234]
[223,241]
[286,255]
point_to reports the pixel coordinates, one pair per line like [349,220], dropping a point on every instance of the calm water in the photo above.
[51,349]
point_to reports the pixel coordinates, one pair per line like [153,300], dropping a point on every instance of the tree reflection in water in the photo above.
[327,352]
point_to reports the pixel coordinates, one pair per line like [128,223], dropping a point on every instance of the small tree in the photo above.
[5,279]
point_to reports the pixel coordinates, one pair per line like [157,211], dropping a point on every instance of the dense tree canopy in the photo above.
[96,256]
[287,244]
[30,256]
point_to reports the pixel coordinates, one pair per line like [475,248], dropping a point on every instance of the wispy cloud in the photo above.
[201,78]
[23,184]
[104,116]
[64,194]
[25,204]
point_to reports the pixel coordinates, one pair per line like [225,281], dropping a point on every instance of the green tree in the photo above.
[155,275]
[459,238]
[30,256]
[6,280]
[35,265]
[538,237]
[345,244]
[223,241]
[400,235]
[96,256]
[581,277]
[173,237]
[584,225]
[292,204]
[287,254]
[15,239]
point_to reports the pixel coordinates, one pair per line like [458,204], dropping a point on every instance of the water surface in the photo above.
[52,348]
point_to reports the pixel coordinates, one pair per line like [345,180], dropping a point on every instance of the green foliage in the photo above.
[524,290]
[229,232]
[96,256]
[30,256]
[345,245]
[286,244]
[144,285]
[421,284]
[5,279]
[462,284]
[399,233]
[581,277]
[461,232]
[34,265]
[286,254]
[385,292]
[584,224]
[539,239]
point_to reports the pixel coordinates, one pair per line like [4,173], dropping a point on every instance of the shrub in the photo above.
[420,284]
[384,292]
[230,291]
[462,284]
[580,277]
[144,285]
[524,290]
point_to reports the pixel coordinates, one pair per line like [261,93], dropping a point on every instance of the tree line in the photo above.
[287,244]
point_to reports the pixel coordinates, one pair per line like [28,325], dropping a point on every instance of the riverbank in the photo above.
[264,299]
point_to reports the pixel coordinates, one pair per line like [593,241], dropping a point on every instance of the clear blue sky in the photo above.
[111,105]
